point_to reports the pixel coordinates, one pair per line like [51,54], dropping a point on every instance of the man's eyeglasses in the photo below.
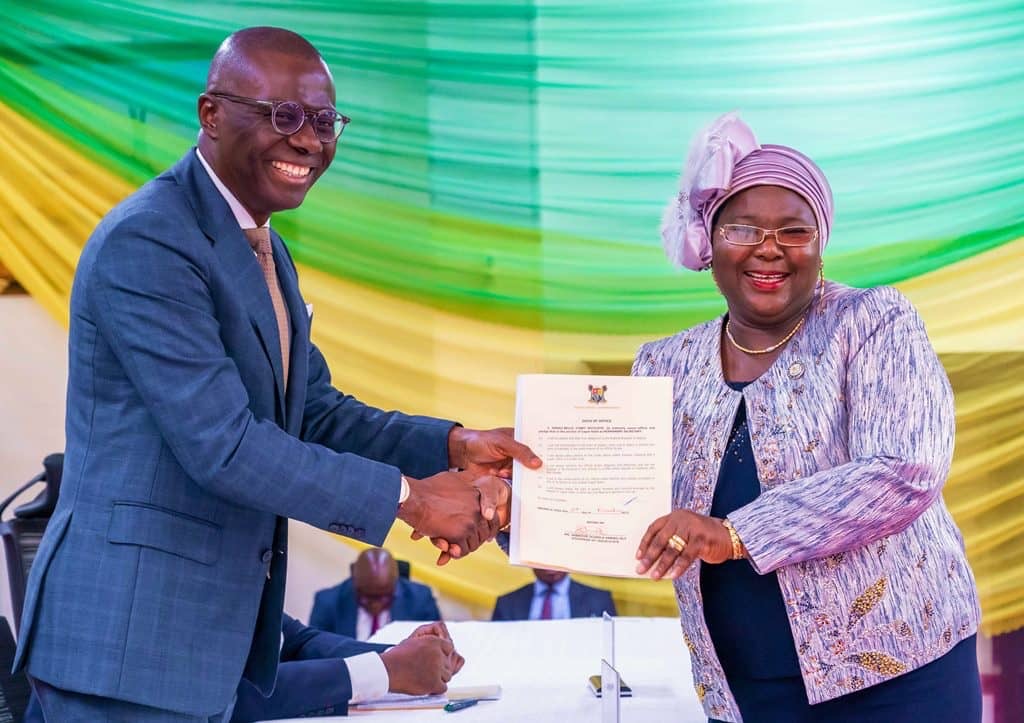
[740,234]
[287,116]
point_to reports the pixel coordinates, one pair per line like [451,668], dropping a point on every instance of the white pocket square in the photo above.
[309,311]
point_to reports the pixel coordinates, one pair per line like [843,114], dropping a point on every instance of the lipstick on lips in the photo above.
[766,280]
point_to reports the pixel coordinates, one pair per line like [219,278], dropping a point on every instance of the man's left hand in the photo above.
[488,452]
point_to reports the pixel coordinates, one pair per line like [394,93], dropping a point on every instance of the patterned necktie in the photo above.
[545,609]
[259,239]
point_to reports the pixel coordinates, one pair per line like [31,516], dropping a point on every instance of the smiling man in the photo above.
[269,125]
[200,417]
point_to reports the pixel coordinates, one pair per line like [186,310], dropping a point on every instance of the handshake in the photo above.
[460,511]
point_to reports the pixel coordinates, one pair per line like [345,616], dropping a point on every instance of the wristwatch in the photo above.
[403,495]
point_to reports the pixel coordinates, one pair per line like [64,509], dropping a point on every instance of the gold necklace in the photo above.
[766,350]
[787,337]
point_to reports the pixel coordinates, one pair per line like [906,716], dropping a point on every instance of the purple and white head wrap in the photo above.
[725,158]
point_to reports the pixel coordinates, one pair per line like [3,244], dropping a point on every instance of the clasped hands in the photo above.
[459,511]
[423,663]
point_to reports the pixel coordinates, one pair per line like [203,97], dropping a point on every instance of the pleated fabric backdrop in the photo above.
[493,207]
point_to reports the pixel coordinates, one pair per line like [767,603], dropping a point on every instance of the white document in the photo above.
[606,443]
[403,701]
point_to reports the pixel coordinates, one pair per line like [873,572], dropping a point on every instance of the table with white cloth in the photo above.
[542,667]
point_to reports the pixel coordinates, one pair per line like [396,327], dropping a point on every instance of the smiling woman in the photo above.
[770,282]
[814,435]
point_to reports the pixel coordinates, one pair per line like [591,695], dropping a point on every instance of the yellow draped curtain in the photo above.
[399,354]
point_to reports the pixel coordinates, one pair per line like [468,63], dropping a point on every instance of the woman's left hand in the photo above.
[705,538]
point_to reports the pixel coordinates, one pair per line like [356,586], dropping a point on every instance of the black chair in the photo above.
[403,568]
[23,532]
[14,687]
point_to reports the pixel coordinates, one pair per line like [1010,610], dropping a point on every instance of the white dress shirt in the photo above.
[364,622]
[559,599]
[367,672]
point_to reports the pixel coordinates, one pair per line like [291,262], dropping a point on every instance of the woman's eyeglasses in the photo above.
[742,235]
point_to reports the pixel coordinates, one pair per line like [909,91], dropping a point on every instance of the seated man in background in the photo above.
[371,598]
[553,596]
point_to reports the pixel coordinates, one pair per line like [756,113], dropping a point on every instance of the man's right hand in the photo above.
[419,665]
[453,507]
[496,496]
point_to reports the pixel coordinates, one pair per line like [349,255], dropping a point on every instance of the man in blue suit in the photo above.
[553,596]
[317,672]
[371,598]
[200,417]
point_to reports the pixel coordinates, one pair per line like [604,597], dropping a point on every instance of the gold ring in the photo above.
[677,543]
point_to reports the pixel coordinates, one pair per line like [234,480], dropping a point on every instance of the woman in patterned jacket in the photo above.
[813,432]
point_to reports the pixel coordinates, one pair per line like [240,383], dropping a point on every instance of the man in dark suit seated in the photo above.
[321,673]
[370,599]
[553,596]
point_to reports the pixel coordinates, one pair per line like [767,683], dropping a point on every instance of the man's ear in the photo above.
[208,111]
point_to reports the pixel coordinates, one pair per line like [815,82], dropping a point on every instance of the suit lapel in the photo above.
[576,605]
[348,615]
[298,319]
[229,243]
[525,601]
[401,606]
[261,310]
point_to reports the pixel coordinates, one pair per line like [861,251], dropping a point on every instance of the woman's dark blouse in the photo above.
[747,619]
[744,611]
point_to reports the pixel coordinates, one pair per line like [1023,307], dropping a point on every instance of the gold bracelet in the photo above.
[737,546]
